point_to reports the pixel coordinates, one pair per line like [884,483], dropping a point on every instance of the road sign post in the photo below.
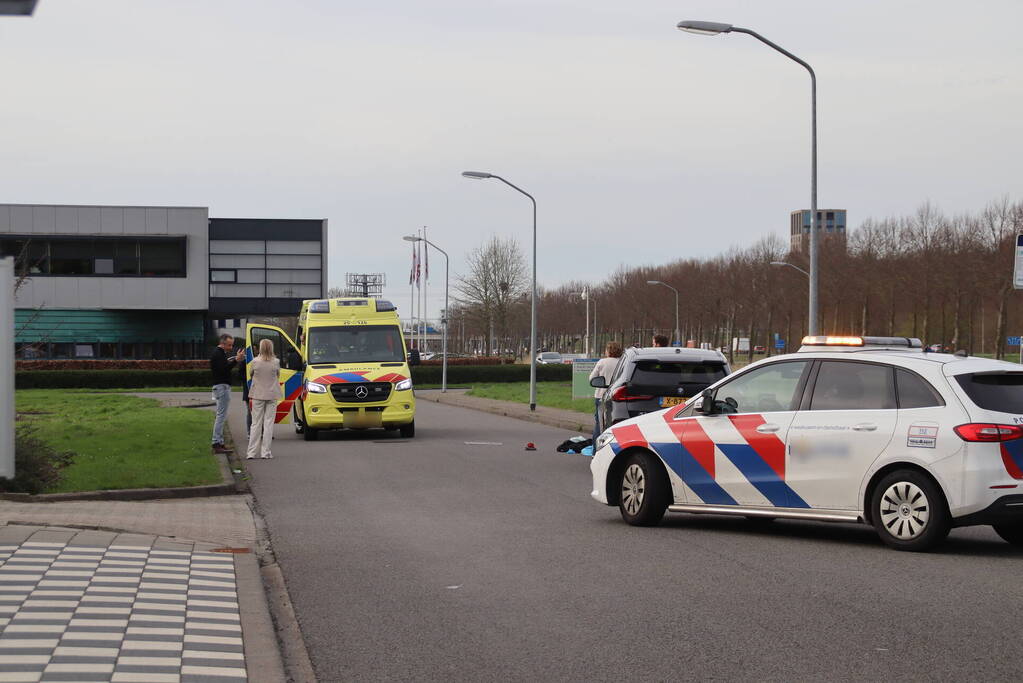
[581,369]
[1016,341]
[1017,271]
[7,367]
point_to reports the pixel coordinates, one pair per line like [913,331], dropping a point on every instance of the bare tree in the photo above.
[493,286]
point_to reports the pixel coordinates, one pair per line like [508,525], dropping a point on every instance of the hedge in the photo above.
[124,364]
[135,379]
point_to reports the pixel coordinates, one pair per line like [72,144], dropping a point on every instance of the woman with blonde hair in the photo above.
[263,393]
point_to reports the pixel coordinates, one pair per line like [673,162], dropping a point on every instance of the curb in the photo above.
[582,424]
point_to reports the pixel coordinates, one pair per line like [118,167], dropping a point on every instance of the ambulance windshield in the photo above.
[355,344]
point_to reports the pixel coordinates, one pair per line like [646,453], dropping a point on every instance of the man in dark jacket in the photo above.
[221,363]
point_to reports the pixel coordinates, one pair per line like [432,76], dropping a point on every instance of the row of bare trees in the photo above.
[944,279]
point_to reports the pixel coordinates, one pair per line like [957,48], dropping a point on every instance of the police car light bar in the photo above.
[904,342]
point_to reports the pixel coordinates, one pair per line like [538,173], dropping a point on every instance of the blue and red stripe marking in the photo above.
[761,459]
[1012,457]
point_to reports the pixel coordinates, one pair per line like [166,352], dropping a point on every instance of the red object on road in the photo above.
[530,446]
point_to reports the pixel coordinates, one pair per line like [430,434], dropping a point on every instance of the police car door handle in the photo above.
[865,427]
[768,428]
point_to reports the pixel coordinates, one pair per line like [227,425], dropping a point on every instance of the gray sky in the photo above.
[642,144]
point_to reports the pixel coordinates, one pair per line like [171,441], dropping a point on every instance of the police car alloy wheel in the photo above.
[909,512]
[643,490]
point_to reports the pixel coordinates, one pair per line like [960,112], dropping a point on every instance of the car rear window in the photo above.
[672,375]
[994,391]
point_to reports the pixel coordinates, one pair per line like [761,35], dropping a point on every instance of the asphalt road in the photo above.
[436,559]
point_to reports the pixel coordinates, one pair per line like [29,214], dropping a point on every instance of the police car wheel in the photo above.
[909,511]
[643,490]
[1011,532]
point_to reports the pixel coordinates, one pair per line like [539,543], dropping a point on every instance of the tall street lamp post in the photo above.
[678,333]
[444,318]
[480,175]
[585,296]
[712,28]
[786,263]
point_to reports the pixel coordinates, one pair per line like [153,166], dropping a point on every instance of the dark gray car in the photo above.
[650,379]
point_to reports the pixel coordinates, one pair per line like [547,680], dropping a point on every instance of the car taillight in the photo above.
[983,431]
[622,394]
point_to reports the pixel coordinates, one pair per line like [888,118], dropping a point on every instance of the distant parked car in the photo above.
[650,379]
[759,349]
[549,358]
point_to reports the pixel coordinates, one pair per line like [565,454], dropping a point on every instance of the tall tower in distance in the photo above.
[830,226]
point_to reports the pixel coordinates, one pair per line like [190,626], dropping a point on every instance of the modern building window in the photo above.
[223,276]
[105,257]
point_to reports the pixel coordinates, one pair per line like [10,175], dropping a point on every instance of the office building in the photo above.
[830,226]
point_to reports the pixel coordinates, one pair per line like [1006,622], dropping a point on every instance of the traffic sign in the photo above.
[1017,271]
[1012,341]
[779,343]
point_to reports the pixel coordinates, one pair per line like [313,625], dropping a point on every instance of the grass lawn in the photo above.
[121,442]
[551,394]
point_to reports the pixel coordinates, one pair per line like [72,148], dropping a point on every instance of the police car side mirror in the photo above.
[598,382]
[705,404]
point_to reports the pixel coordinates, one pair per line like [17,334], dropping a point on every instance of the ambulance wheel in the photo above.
[643,491]
[408,431]
[309,434]
[909,511]
[1012,532]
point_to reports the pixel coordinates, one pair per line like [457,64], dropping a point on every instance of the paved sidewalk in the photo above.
[153,591]
[552,417]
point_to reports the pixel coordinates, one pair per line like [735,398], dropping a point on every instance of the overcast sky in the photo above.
[641,144]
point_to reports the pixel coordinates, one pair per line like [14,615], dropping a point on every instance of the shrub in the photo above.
[112,364]
[110,379]
[37,466]
[471,374]
[471,360]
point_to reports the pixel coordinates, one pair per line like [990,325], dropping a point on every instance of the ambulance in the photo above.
[347,368]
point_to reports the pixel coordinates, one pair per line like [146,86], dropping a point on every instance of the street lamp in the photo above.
[678,333]
[785,263]
[444,319]
[585,296]
[711,28]
[480,175]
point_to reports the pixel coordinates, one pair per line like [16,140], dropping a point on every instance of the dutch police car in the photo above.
[849,429]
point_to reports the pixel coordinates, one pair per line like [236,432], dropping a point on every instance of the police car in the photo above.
[849,429]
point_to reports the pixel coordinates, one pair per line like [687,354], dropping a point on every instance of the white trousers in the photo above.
[262,432]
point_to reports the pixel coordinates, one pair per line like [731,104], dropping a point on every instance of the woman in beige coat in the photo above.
[263,393]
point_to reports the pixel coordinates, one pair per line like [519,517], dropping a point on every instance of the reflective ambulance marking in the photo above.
[341,377]
[293,387]
[762,475]
[1012,457]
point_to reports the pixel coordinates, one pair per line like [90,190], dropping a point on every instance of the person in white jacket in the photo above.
[264,393]
[605,367]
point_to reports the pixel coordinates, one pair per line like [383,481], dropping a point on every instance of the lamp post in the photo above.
[712,28]
[585,296]
[678,333]
[480,175]
[444,319]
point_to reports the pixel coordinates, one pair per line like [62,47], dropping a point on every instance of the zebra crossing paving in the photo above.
[118,612]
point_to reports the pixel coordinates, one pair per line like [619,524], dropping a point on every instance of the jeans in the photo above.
[263,415]
[222,395]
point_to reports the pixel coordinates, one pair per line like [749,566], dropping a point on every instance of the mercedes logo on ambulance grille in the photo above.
[361,392]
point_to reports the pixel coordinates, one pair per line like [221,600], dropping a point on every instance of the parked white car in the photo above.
[872,430]
[549,358]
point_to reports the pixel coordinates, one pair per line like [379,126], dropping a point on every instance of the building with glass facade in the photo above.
[142,282]
[830,225]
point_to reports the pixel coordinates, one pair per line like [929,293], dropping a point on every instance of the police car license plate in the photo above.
[672,400]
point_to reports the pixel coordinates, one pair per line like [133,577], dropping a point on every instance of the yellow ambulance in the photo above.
[347,369]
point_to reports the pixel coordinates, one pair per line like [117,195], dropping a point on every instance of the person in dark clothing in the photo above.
[221,364]
[245,392]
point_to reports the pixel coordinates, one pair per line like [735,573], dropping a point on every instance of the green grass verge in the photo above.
[550,394]
[121,442]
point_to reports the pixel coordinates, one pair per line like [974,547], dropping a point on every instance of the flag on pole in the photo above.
[426,262]
[418,263]
[415,265]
